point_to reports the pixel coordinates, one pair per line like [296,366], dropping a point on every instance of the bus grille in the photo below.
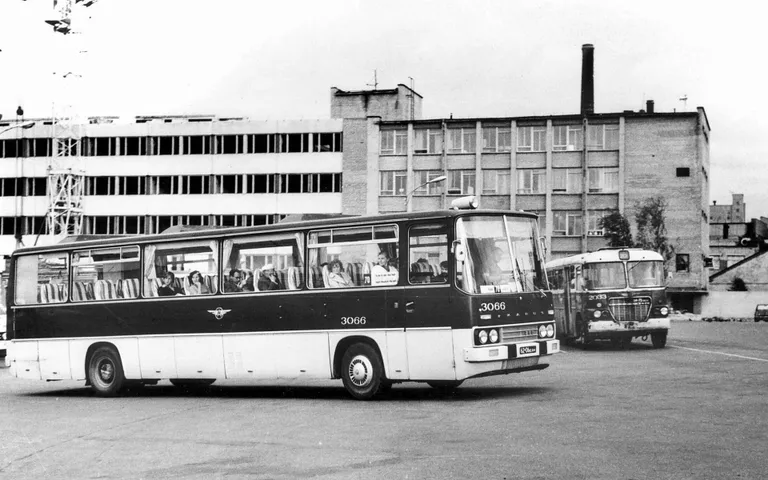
[630,309]
[519,333]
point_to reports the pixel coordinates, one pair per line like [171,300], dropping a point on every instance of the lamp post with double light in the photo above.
[441,178]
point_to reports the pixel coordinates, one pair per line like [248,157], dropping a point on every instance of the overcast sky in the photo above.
[278,60]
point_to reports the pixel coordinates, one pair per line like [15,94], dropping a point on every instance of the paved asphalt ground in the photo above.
[697,409]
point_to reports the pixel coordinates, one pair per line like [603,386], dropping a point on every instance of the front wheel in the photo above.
[362,371]
[659,340]
[105,372]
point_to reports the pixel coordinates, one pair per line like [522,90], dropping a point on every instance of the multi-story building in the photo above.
[539,164]
[733,213]
[376,154]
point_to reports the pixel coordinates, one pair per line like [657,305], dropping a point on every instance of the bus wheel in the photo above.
[105,372]
[659,340]
[445,385]
[362,371]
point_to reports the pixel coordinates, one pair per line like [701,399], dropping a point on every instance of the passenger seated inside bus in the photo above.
[337,277]
[421,271]
[196,284]
[441,277]
[268,280]
[168,287]
[235,282]
[383,273]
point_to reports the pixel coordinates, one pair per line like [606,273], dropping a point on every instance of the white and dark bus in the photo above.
[613,294]
[434,297]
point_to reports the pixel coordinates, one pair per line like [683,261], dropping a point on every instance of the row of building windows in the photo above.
[135,224]
[173,145]
[497,182]
[498,139]
[186,184]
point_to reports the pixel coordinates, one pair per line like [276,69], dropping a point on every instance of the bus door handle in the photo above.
[409,307]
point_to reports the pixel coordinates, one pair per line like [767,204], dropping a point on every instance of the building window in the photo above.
[593,222]
[393,142]
[423,176]
[461,182]
[497,139]
[603,180]
[682,262]
[684,172]
[531,181]
[428,140]
[567,223]
[392,183]
[495,182]
[603,137]
[567,180]
[461,140]
[567,137]
[531,139]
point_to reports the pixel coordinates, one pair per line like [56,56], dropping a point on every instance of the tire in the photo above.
[659,339]
[105,372]
[190,383]
[445,385]
[362,371]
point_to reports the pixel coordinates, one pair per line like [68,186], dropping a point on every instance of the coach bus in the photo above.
[435,297]
[611,294]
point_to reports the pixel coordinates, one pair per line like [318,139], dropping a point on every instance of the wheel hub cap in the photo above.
[359,371]
[106,372]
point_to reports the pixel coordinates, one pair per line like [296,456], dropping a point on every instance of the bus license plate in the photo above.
[525,350]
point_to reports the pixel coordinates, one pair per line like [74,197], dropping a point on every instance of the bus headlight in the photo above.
[542,331]
[493,336]
[482,335]
[663,310]
[550,330]
[597,314]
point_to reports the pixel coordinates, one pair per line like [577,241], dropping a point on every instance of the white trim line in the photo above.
[720,353]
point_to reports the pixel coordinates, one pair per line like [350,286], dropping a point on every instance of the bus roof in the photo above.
[607,255]
[291,223]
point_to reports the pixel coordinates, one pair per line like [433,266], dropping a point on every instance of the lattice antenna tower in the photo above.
[66,178]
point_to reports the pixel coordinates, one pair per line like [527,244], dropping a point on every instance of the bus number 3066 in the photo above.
[492,306]
[353,320]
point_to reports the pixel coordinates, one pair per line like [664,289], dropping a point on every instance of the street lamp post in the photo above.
[18,125]
[441,178]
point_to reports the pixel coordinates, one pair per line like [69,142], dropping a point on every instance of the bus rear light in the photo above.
[550,330]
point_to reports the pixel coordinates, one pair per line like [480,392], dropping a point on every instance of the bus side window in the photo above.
[428,254]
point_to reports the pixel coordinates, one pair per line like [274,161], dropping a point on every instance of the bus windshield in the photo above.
[502,255]
[645,274]
[599,276]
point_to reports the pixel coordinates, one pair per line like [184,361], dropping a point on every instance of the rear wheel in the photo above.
[362,371]
[105,372]
[659,339]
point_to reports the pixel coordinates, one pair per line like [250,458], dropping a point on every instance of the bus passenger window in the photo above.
[428,254]
[41,278]
[259,263]
[193,264]
[353,257]
[105,274]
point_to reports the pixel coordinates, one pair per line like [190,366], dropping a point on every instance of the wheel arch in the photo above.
[345,343]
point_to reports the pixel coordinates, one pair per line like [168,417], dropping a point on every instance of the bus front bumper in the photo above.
[505,352]
[609,326]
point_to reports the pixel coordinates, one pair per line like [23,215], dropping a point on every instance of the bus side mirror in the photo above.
[458,251]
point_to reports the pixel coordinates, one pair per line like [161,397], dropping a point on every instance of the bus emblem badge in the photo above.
[219,313]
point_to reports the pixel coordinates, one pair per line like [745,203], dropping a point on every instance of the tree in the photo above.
[651,230]
[738,285]
[617,229]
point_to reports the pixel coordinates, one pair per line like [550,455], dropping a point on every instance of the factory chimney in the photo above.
[587,79]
